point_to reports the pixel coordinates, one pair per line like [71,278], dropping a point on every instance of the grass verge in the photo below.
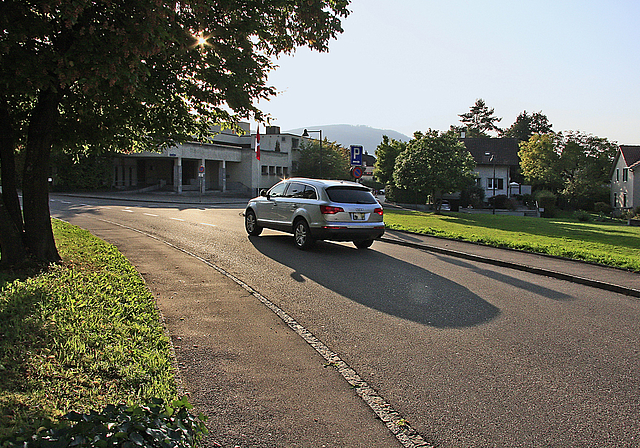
[84,334]
[609,243]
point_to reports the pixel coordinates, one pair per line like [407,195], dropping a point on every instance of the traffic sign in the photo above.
[356,155]
[201,169]
[357,172]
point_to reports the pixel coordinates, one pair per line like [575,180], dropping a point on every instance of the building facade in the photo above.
[227,164]
[625,188]
[496,163]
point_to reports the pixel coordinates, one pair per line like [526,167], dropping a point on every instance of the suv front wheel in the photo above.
[251,223]
[302,234]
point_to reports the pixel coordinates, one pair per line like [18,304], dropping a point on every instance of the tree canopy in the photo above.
[573,164]
[91,75]
[479,121]
[528,124]
[386,154]
[434,163]
[329,161]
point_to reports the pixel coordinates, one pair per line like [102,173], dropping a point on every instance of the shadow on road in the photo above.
[381,282]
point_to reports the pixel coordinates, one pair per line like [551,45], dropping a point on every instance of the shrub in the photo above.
[157,425]
[547,200]
[395,194]
[502,201]
[602,207]
[472,196]
[582,216]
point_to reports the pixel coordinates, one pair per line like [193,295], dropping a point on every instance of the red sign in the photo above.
[357,172]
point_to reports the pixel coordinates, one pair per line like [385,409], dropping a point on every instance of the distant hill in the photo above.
[347,135]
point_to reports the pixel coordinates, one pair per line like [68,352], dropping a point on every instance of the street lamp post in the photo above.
[493,181]
[306,135]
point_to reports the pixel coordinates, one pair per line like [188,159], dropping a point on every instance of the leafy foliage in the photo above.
[82,172]
[434,163]
[386,154]
[479,120]
[158,424]
[573,164]
[98,75]
[528,124]
[327,161]
[82,334]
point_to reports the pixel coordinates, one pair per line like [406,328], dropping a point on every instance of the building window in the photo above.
[279,170]
[499,183]
[617,174]
[625,174]
[624,199]
[272,171]
[615,199]
[295,143]
[265,170]
[285,171]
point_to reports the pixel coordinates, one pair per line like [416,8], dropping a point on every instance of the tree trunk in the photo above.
[13,251]
[35,189]
[11,224]
[8,165]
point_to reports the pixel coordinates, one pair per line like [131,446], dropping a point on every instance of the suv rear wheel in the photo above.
[302,234]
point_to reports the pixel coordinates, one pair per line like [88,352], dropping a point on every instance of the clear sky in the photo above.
[411,65]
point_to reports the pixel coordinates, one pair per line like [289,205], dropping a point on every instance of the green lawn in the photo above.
[82,335]
[610,243]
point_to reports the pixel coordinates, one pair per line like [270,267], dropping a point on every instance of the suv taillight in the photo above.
[330,210]
[379,211]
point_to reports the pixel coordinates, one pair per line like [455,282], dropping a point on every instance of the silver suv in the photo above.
[314,209]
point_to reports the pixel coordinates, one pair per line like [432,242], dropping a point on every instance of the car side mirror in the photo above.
[263,193]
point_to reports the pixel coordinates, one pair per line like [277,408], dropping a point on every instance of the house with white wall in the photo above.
[496,163]
[625,188]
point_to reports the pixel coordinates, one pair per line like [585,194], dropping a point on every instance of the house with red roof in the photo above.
[625,188]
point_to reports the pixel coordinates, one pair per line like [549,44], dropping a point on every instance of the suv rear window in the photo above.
[348,195]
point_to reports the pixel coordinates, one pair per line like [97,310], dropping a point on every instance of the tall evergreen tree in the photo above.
[480,120]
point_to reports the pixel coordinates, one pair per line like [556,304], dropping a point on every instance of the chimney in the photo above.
[273,130]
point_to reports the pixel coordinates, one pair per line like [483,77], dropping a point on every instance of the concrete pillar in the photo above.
[177,175]
[223,175]
[203,179]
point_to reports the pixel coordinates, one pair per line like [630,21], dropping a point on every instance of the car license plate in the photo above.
[359,216]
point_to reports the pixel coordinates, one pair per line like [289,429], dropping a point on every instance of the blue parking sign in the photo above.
[356,155]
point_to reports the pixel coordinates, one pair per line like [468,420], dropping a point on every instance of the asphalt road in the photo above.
[470,354]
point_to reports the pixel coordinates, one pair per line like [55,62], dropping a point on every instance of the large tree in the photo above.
[528,124]
[479,121]
[434,163]
[386,154]
[92,75]
[326,161]
[572,164]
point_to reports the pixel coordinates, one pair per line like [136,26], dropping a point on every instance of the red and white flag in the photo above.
[258,144]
